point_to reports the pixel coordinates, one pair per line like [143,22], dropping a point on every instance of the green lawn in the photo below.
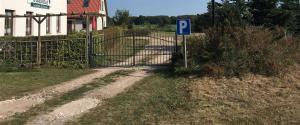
[22,82]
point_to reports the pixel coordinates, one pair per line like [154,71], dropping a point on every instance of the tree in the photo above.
[260,10]
[164,20]
[121,17]
[293,8]
[201,22]
[231,13]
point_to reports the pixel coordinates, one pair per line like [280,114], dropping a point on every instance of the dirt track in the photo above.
[91,99]
[10,107]
[13,106]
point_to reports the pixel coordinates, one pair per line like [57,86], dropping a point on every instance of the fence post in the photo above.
[134,51]
[87,38]
[176,43]
[90,61]
[39,47]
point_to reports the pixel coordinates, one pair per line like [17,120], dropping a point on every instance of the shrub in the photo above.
[71,52]
[236,51]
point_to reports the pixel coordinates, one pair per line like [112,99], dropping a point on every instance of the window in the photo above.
[86,3]
[48,25]
[84,25]
[58,23]
[29,23]
[8,24]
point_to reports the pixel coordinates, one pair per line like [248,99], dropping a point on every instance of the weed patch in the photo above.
[238,51]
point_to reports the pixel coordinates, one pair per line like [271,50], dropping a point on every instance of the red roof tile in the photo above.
[76,6]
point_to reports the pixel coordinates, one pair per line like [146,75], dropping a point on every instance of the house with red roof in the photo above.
[78,23]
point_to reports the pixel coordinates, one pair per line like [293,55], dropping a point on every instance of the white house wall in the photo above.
[20,7]
[99,24]
[78,25]
[100,21]
[1,20]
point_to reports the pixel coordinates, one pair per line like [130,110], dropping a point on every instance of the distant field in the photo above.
[167,28]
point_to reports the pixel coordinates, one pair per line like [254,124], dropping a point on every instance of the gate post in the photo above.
[87,39]
[90,51]
[134,51]
[176,43]
[39,46]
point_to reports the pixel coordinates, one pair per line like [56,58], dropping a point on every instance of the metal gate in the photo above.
[133,49]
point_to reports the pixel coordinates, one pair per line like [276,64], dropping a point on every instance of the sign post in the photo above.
[184,28]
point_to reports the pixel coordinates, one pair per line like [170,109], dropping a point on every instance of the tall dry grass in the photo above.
[235,51]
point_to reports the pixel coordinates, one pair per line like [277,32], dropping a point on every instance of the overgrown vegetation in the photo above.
[255,36]
[235,51]
[167,98]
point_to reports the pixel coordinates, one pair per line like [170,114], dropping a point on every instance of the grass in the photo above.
[19,83]
[49,105]
[153,99]
[168,99]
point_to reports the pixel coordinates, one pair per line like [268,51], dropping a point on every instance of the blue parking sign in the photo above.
[183,27]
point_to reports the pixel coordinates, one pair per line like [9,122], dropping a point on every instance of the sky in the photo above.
[158,7]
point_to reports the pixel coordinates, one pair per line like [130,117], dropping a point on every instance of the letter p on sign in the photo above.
[184,27]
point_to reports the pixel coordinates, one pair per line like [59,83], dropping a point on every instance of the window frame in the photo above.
[9,23]
[58,24]
[86,3]
[30,23]
[84,24]
[48,24]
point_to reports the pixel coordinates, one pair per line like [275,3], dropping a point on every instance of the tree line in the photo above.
[267,13]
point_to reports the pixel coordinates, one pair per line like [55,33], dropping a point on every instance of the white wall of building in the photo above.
[1,20]
[101,24]
[78,25]
[20,7]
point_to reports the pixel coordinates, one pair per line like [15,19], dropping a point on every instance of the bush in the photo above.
[71,52]
[236,51]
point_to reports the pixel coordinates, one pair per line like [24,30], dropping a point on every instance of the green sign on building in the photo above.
[44,4]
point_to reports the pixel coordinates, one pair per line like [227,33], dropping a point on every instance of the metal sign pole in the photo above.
[184,28]
[185,52]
